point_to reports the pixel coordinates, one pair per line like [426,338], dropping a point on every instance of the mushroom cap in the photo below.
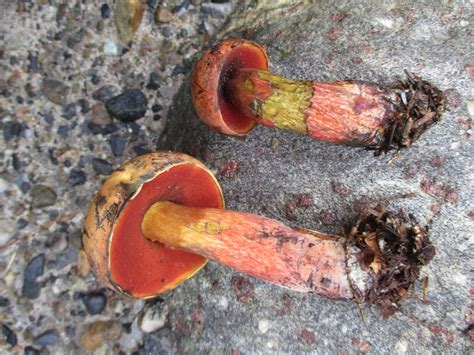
[210,75]
[119,255]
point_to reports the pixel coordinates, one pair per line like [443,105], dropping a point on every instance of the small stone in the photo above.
[166,32]
[154,82]
[101,166]
[33,61]
[42,196]
[35,268]
[163,15]
[9,335]
[99,115]
[77,177]
[63,131]
[29,350]
[56,91]
[83,265]
[95,334]
[69,111]
[104,93]
[117,144]
[110,48]
[128,106]
[154,317]
[12,130]
[104,130]
[105,11]
[48,338]
[216,10]
[84,105]
[94,302]
[4,302]
[128,16]
[263,325]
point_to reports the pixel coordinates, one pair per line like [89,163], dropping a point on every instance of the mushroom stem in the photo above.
[299,259]
[345,112]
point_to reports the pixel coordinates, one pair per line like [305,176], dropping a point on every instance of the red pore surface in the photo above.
[210,75]
[143,268]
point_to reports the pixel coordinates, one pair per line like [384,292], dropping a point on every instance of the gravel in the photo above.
[129,106]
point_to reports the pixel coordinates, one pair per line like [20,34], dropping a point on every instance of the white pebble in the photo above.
[263,325]
[110,48]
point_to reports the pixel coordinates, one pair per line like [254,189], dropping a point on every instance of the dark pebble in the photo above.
[14,60]
[48,117]
[154,82]
[180,70]
[105,11]
[75,38]
[63,131]
[95,80]
[42,196]
[94,302]
[9,335]
[183,33]
[166,31]
[162,342]
[16,163]
[34,269]
[156,108]
[84,105]
[156,117]
[140,150]
[19,100]
[152,3]
[104,93]
[135,128]
[101,166]
[33,61]
[4,302]
[21,223]
[117,144]
[104,130]
[29,350]
[77,177]
[48,338]
[69,111]
[25,186]
[52,156]
[128,106]
[11,130]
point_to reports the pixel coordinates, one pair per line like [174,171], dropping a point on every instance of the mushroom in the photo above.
[233,90]
[157,219]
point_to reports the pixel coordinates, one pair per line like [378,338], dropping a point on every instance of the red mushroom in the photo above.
[233,90]
[156,220]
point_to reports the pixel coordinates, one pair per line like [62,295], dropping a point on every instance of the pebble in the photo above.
[48,338]
[77,177]
[42,196]
[4,302]
[128,16]
[35,268]
[158,344]
[69,111]
[104,93]
[9,335]
[101,166]
[154,82]
[263,325]
[29,350]
[110,48]
[216,10]
[163,15]
[84,105]
[95,334]
[63,131]
[105,11]
[12,130]
[94,302]
[104,130]
[99,115]
[117,144]
[129,106]
[154,317]
[56,91]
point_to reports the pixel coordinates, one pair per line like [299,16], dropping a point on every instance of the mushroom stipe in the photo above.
[233,91]
[157,219]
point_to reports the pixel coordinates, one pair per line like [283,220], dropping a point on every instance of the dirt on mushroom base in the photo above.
[393,247]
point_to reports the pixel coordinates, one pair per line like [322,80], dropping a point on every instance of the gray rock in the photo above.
[42,196]
[48,338]
[35,268]
[101,166]
[77,177]
[129,106]
[56,91]
[104,93]
[117,144]
[94,302]
[10,336]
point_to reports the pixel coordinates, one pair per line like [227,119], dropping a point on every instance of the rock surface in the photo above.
[48,139]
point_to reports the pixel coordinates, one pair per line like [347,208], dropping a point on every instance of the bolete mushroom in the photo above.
[233,90]
[156,220]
